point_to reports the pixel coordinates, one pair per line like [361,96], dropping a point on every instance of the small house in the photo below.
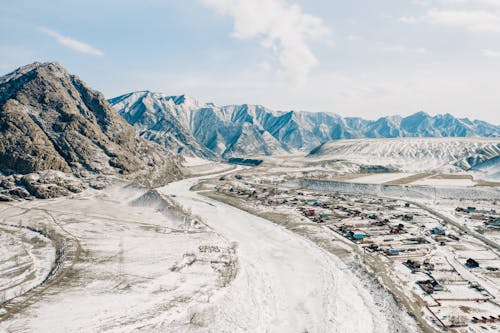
[310,212]
[471,263]
[310,201]
[358,236]
[393,252]
[407,217]
[349,234]
[470,209]
[412,264]
[437,231]
[395,230]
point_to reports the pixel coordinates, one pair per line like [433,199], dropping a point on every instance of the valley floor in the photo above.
[247,250]
[131,263]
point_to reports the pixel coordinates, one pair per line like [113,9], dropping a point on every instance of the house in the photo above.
[412,264]
[470,209]
[310,212]
[429,286]
[437,231]
[358,236]
[471,263]
[393,252]
[395,230]
[407,217]
[349,234]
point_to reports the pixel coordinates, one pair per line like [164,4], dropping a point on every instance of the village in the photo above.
[451,274]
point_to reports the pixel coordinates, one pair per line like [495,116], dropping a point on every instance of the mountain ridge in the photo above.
[247,129]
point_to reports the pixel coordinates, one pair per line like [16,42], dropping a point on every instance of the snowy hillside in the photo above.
[489,170]
[204,129]
[413,154]
[162,119]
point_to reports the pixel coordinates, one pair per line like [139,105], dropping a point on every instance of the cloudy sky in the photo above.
[364,58]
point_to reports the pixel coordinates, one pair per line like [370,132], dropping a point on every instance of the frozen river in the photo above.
[285,283]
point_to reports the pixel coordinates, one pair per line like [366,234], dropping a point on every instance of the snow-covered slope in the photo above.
[162,119]
[413,154]
[488,170]
[209,130]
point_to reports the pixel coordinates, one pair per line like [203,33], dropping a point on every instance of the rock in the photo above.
[5,198]
[7,182]
[97,185]
[19,192]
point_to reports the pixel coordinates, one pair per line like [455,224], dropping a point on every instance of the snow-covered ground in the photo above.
[200,166]
[413,154]
[141,268]
[26,258]
[379,178]
[285,283]
[463,182]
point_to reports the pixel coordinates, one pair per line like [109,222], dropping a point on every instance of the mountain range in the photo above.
[183,124]
[57,134]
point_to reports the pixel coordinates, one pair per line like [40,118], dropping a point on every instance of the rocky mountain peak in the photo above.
[51,120]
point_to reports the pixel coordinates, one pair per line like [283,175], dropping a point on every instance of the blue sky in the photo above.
[355,58]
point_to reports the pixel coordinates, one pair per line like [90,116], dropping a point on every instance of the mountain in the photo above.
[51,120]
[146,111]
[209,130]
[414,154]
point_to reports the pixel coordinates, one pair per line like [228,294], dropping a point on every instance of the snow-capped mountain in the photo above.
[162,119]
[209,130]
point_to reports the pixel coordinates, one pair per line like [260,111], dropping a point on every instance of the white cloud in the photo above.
[473,15]
[71,43]
[280,26]
[474,20]
[404,49]
[494,3]
[490,53]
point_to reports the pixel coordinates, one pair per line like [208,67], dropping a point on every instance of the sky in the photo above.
[366,58]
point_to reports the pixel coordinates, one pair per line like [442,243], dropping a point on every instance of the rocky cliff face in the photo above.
[51,120]
[207,130]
